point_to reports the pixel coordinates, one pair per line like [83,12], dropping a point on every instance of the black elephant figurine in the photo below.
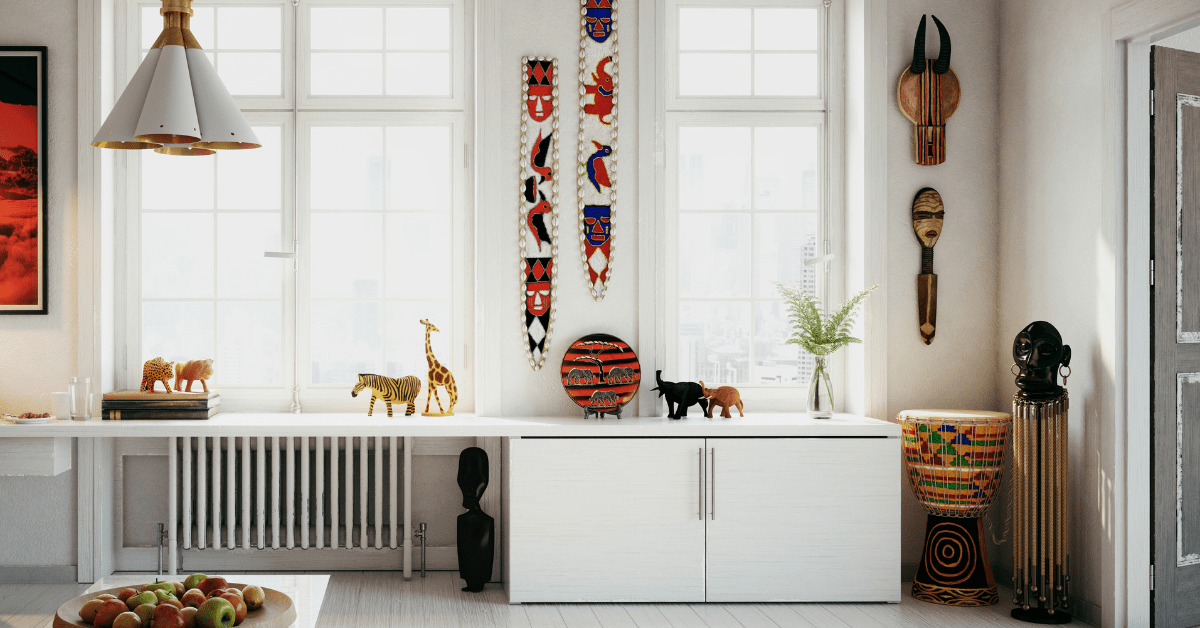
[680,395]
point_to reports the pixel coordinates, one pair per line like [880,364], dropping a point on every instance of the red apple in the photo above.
[189,617]
[128,619]
[108,613]
[193,598]
[254,596]
[173,602]
[239,605]
[88,612]
[179,589]
[168,616]
[127,593]
[208,585]
[106,596]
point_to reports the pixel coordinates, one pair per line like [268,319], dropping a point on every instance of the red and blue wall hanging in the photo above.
[538,203]
[597,139]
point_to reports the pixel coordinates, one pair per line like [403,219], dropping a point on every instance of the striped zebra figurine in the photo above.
[390,390]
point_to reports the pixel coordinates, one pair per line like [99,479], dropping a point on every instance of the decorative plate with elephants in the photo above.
[601,373]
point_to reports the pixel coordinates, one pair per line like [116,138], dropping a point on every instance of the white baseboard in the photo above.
[37,574]
[145,560]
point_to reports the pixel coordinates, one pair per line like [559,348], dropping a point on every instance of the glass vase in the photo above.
[820,391]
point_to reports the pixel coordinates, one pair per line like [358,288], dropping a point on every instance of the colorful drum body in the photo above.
[955,459]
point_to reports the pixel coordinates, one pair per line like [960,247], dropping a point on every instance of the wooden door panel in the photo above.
[804,520]
[1176,336]
[605,520]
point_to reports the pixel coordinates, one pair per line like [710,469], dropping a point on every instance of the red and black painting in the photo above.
[601,373]
[22,180]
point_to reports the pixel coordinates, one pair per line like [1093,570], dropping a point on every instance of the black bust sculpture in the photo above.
[1039,352]
[476,530]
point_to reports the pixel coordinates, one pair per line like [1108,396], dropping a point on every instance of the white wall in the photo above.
[1057,250]
[551,29]
[38,353]
[957,370]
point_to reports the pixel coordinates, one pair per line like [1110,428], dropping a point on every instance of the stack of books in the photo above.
[134,405]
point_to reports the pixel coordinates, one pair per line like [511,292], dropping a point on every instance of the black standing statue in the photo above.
[682,394]
[476,530]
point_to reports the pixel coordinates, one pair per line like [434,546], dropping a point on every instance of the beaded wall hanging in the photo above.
[597,139]
[539,198]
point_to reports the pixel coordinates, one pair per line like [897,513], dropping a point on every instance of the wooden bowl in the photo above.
[277,611]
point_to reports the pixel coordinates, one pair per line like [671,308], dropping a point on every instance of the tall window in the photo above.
[359,193]
[745,184]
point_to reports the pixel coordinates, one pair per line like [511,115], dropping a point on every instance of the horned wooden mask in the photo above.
[928,94]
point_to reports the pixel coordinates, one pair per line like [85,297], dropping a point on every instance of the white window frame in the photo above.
[455,111]
[659,245]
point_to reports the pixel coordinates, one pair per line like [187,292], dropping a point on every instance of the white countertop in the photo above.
[315,424]
[307,592]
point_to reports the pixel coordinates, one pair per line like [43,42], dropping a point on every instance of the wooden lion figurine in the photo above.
[192,371]
[726,396]
[156,370]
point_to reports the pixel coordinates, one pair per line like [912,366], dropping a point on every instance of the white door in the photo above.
[605,520]
[804,520]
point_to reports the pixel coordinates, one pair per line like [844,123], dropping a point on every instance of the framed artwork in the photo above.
[23,278]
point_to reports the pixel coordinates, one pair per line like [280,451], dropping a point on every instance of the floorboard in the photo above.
[384,599]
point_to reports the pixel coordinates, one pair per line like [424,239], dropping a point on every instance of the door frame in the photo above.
[1129,31]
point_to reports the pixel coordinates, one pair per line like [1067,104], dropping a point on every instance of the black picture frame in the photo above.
[24,268]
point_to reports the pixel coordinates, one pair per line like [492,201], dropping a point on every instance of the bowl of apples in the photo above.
[199,601]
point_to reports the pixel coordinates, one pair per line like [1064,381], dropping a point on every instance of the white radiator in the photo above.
[288,492]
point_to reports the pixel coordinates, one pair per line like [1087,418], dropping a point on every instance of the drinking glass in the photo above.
[80,389]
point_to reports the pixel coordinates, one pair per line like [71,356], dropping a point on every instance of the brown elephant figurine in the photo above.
[726,396]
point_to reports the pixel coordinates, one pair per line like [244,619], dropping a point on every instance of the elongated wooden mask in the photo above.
[927,214]
[928,95]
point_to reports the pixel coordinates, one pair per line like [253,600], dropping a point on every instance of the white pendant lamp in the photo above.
[175,103]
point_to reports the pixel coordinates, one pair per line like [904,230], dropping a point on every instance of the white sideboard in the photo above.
[724,518]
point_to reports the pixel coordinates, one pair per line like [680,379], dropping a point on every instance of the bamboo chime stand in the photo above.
[1039,510]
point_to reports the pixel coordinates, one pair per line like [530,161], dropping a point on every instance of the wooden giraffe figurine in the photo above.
[438,376]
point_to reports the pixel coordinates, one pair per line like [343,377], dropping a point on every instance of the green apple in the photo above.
[88,612]
[215,612]
[169,587]
[191,581]
[254,596]
[146,613]
[164,595]
[145,597]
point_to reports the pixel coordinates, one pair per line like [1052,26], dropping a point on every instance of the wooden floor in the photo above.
[384,599]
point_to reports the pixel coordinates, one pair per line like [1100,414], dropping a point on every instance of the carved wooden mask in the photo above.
[928,95]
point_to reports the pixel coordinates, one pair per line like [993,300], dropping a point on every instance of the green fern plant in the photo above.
[817,333]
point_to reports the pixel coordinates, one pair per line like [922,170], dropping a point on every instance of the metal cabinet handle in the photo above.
[713,468]
[700,471]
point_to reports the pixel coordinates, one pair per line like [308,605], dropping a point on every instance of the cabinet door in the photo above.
[804,520]
[605,520]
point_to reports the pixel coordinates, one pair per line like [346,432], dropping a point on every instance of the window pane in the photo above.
[170,182]
[775,361]
[785,75]
[177,256]
[406,340]
[249,343]
[418,256]
[252,179]
[714,255]
[714,168]
[714,342]
[347,74]
[418,168]
[782,242]
[249,28]
[785,168]
[178,330]
[251,73]
[418,74]
[707,74]
[785,29]
[347,339]
[714,29]
[347,256]
[242,270]
[152,26]
[344,28]
[347,168]
[203,27]
[418,28]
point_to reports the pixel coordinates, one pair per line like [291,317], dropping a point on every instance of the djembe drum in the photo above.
[955,460]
